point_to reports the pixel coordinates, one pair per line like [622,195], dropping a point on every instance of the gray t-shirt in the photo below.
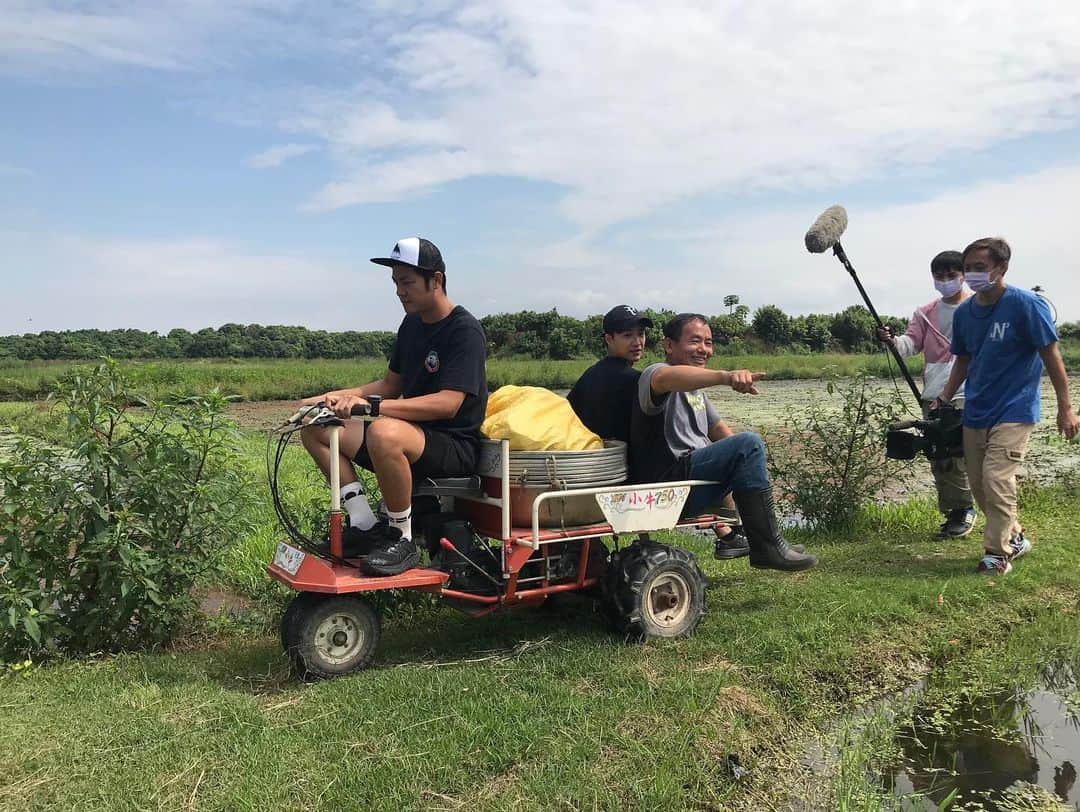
[666,429]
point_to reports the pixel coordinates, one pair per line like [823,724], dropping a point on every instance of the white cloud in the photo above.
[762,258]
[626,104]
[276,156]
[631,109]
[66,282]
[15,171]
[631,106]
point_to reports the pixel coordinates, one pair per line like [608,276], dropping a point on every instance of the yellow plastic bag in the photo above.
[535,419]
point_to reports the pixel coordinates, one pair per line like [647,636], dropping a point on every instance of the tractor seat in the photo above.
[448,486]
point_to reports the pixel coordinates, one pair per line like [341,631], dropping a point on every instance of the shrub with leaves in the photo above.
[831,460]
[104,532]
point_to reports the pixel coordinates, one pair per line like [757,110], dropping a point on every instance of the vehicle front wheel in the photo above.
[329,635]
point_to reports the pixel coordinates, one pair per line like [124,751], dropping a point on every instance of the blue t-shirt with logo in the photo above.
[1003,341]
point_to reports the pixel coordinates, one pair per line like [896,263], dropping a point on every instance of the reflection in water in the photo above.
[981,745]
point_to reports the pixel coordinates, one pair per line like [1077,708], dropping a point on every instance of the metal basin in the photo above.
[534,472]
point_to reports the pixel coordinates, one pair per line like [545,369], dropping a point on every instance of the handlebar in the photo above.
[318,413]
[372,407]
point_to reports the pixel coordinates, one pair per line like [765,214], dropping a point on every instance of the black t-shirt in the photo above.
[448,354]
[604,395]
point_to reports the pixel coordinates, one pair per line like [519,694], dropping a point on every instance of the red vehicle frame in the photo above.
[330,630]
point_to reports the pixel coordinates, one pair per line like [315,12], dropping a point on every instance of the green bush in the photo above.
[104,531]
[830,460]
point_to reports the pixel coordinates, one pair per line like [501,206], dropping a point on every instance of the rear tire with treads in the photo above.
[654,590]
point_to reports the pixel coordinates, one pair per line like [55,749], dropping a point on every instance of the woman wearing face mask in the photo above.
[930,332]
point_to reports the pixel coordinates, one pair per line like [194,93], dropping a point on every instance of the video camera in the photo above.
[938,437]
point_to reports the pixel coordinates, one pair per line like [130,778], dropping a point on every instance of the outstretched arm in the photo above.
[687,378]
[1067,421]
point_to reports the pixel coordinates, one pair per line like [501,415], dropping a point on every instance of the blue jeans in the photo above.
[737,463]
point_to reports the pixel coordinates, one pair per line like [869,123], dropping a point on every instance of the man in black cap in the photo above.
[604,394]
[434,396]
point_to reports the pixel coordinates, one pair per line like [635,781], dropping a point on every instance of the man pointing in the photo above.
[676,434]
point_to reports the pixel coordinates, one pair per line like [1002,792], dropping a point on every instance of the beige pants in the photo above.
[992,457]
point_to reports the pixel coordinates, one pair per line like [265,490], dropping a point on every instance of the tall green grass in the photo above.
[291,379]
[277,379]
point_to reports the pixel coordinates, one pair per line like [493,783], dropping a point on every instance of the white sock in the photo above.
[355,504]
[402,520]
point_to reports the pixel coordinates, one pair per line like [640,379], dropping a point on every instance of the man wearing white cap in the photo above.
[434,395]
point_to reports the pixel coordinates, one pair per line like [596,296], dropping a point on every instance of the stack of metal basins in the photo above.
[533,472]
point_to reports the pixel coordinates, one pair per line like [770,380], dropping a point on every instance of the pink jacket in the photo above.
[924,335]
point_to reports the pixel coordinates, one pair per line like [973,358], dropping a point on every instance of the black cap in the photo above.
[414,252]
[624,317]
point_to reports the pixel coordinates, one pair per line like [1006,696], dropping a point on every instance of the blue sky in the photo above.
[193,163]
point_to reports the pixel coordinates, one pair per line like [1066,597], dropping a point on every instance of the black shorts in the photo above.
[444,456]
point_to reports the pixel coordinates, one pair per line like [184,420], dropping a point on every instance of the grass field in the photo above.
[546,709]
[285,380]
[257,380]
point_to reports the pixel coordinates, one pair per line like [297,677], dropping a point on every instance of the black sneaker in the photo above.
[733,545]
[958,523]
[392,555]
[357,543]
[736,545]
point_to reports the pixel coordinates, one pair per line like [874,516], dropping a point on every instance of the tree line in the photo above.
[526,334]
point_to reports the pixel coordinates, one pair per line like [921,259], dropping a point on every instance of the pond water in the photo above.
[981,746]
[1048,457]
[1008,750]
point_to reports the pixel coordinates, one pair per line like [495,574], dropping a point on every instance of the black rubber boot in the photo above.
[768,550]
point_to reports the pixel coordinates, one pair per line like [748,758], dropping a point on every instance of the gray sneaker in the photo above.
[958,523]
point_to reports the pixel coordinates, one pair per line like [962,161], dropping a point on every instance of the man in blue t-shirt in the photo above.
[1002,338]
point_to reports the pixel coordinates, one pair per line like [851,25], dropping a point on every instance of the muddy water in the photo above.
[990,748]
[1048,456]
[1014,749]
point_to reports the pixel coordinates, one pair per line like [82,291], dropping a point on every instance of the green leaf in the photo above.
[32,628]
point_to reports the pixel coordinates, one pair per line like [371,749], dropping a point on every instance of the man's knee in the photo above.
[750,445]
[390,437]
[313,436]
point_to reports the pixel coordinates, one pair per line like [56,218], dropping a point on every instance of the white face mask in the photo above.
[948,288]
[978,280]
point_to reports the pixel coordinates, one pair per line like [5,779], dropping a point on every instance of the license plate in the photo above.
[288,558]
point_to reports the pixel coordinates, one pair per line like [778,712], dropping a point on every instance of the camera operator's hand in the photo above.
[742,380]
[884,335]
[342,404]
[1068,423]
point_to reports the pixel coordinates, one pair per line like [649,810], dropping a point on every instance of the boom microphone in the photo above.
[824,234]
[826,230]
